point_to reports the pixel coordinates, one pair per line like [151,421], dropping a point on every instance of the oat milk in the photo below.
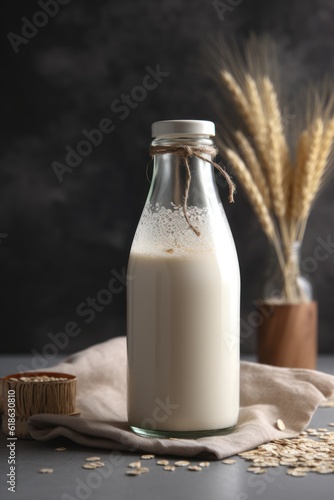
[183,324]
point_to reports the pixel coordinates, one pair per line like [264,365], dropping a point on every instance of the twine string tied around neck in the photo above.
[187,152]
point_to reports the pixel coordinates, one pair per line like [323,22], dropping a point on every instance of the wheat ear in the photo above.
[252,191]
[239,99]
[277,149]
[254,166]
[325,151]
[297,178]
[255,104]
[318,174]
[309,168]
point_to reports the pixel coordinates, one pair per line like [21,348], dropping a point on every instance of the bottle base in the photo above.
[153,433]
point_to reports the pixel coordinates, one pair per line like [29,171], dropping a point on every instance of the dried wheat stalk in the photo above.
[251,190]
[309,166]
[316,170]
[326,149]
[319,167]
[281,192]
[294,202]
[254,166]
[256,107]
[239,99]
[277,148]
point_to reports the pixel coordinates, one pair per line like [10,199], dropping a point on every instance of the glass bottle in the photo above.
[183,298]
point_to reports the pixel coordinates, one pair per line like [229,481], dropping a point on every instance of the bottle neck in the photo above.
[171,176]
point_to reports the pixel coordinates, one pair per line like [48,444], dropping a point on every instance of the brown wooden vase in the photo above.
[288,335]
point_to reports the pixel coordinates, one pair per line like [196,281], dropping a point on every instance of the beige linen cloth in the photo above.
[267,394]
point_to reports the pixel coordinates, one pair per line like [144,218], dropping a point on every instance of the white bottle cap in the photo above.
[177,128]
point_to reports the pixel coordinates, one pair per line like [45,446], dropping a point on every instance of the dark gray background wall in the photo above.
[65,238]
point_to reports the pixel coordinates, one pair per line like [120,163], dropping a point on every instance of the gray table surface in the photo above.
[218,482]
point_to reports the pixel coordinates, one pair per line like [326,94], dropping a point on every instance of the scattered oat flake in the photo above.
[182,463]
[142,470]
[89,466]
[290,460]
[62,448]
[97,464]
[228,461]
[147,457]
[204,464]
[135,465]
[280,424]
[169,467]
[296,473]
[259,470]
[162,462]
[46,471]
[133,472]
[313,452]
[332,424]
[196,468]
[92,459]
[137,471]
